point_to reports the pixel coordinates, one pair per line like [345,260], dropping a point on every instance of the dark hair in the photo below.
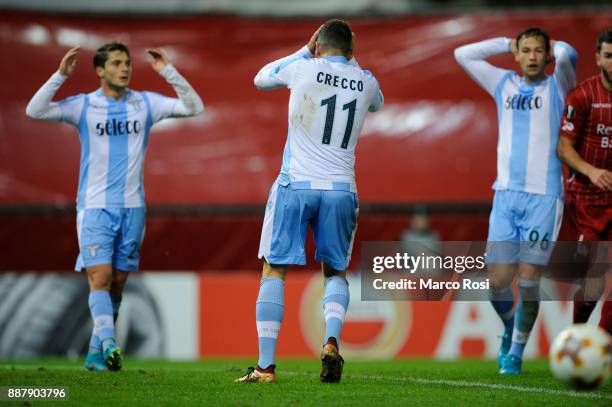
[605,36]
[534,32]
[336,34]
[101,54]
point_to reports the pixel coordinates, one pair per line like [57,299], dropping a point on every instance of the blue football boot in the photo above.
[511,365]
[504,348]
[94,362]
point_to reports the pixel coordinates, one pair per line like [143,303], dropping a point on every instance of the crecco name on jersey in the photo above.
[338,82]
[116,127]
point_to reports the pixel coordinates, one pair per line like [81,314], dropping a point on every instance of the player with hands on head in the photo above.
[113,123]
[527,205]
[329,98]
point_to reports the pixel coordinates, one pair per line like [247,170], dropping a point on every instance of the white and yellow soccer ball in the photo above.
[581,356]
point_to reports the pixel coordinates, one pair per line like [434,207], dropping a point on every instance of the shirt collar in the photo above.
[336,58]
[112,100]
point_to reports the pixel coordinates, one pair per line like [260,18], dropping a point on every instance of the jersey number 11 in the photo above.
[329,120]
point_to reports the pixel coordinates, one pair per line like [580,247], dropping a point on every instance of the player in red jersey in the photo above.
[586,147]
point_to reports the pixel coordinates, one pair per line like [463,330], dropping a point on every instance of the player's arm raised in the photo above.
[472,58]
[566,59]
[277,74]
[189,102]
[40,106]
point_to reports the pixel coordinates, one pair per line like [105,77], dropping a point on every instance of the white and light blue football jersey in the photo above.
[329,100]
[114,135]
[529,115]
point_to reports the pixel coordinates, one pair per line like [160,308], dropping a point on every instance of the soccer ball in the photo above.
[581,356]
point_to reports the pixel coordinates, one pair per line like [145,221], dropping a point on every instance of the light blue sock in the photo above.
[526,314]
[269,315]
[335,303]
[503,302]
[101,310]
[95,344]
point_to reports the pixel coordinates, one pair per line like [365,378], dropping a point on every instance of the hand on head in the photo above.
[313,40]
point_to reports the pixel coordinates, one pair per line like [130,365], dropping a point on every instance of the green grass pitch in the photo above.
[407,382]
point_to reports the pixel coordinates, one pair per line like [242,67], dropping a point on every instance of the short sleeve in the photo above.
[574,115]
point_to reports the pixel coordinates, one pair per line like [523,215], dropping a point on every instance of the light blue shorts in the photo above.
[110,236]
[331,214]
[523,227]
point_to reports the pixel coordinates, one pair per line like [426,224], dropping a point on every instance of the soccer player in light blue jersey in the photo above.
[528,206]
[330,96]
[114,123]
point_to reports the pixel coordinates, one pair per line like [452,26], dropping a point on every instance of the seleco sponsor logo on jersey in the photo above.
[520,102]
[372,330]
[116,127]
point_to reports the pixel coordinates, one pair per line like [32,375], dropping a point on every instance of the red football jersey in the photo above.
[587,118]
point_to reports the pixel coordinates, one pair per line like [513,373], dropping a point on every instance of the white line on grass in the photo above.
[464,383]
[406,379]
